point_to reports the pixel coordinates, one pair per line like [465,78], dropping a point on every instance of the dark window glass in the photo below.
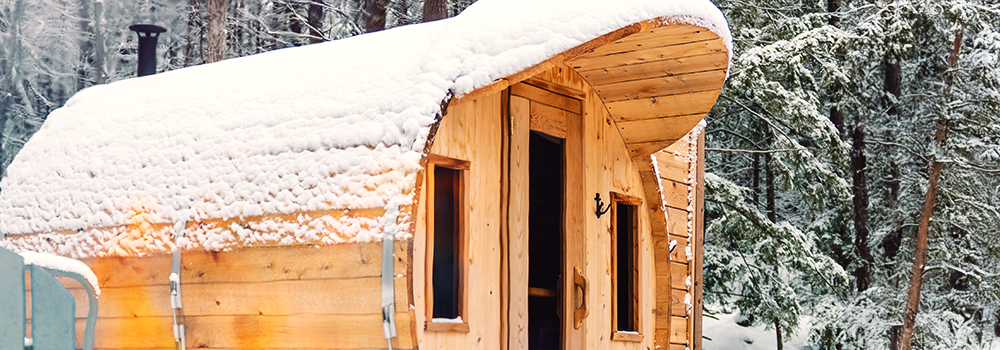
[625,261]
[445,273]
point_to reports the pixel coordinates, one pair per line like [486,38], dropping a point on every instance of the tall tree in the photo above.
[920,254]
[435,10]
[315,21]
[215,20]
[375,15]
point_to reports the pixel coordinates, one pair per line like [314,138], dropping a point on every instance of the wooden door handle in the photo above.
[583,311]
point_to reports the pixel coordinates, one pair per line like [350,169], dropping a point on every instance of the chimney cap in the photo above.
[147,28]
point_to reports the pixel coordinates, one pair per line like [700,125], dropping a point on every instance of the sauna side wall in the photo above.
[681,171]
[308,297]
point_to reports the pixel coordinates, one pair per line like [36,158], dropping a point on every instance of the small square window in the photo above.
[445,282]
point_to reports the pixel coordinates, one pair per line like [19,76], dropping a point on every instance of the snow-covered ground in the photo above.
[727,335]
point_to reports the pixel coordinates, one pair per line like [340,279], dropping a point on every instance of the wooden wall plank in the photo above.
[671,32]
[677,306]
[661,255]
[675,196]
[644,149]
[658,129]
[518,223]
[678,330]
[680,271]
[661,68]
[575,239]
[305,331]
[549,120]
[699,237]
[661,86]
[677,222]
[696,103]
[672,167]
[678,255]
[547,97]
[326,296]
[612,57]
[349,260]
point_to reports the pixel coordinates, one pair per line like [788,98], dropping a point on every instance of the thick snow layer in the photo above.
[58,263]
[338,125]
[725,334]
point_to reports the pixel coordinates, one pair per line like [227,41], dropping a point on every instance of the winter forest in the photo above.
[853,158]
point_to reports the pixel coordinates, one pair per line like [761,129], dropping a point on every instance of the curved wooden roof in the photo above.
[657,78]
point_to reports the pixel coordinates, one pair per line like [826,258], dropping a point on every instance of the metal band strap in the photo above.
[175,285]
[388,288]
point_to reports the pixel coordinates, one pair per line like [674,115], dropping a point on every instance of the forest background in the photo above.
[853,158]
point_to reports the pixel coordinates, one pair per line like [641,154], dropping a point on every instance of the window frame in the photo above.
[636,282]
[461,228]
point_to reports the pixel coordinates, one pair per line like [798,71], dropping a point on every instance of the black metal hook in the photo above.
[601,210]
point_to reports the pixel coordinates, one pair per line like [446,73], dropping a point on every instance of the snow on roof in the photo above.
[58,263]
[331,126]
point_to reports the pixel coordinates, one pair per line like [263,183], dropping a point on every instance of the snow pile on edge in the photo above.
[58,263]
[333,126]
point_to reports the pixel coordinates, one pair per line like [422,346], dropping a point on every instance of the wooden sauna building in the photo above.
[529,181]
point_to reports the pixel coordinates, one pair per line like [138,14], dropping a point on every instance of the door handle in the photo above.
[581,281]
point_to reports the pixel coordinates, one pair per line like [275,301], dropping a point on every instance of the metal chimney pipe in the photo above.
[148,34]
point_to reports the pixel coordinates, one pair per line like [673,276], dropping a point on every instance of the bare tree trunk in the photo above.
[859,164]
[920,253]
[892,85]
[315,22]
[435,10]
[192,24]
[216,23]
[99,77]
[86,46]
[756,180]
[772,215]
[375,15]
[836,117]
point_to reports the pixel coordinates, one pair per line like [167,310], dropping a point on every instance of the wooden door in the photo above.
[545,290]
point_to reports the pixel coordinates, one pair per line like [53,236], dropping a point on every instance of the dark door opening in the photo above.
[545,241]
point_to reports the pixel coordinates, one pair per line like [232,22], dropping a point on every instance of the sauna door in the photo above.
[546,289]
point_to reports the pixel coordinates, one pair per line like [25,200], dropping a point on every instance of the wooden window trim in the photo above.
[433,161]
[616,335]
[626,337]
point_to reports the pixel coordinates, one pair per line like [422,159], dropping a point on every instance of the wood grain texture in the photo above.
[448,162]
[659,129]
[699,237]
[517,223]
[251,297]
[679,32]
[599,76]
[549,120]
[679,330]
[620,56]
[504,214]
[682,105]
[575,239]
[471,132]
[661,86]
[541,95]
[678,255]
[675,196]
[678,270]
[672,167]
[259,264]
